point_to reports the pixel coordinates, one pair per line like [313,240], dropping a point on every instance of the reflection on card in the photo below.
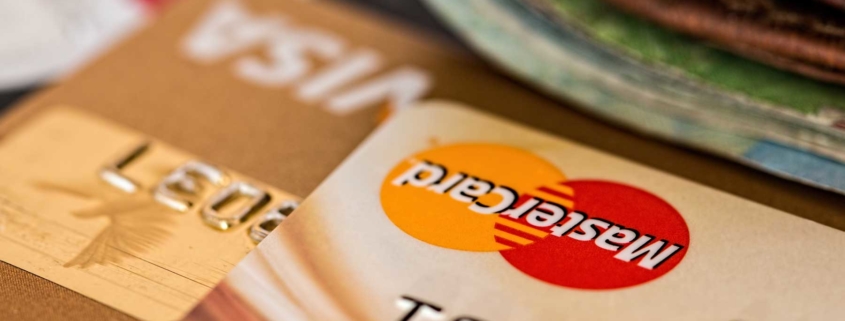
[122,218]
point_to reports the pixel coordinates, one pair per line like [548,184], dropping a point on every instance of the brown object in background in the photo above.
[807,37]
[24,296]
[836,3]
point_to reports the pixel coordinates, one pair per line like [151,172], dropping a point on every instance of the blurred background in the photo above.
[760,82]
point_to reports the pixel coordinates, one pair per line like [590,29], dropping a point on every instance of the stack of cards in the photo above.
[134,188]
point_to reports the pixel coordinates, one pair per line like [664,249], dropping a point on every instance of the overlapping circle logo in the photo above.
[586,234]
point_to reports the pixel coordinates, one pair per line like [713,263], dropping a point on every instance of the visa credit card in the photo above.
[446,213]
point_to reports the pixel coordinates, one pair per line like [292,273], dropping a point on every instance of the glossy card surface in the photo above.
[446,213]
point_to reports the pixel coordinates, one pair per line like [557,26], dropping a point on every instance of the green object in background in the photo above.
[655,45]
[654,81]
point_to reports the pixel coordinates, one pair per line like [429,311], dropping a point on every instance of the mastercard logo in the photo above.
[577,233]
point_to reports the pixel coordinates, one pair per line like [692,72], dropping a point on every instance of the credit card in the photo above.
[446,213]
[123,218]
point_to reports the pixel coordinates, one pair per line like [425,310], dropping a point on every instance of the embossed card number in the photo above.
[125,219]
[229,206]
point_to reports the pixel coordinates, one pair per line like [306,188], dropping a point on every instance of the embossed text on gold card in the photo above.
[122,218]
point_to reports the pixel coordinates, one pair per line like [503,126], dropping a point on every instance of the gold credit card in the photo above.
[449,214]
[122,218]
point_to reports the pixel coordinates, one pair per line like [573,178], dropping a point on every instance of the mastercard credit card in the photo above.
[449,214]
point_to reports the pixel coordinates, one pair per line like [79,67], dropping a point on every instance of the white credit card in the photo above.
[449,214]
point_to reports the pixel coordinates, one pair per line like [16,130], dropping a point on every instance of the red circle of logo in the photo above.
[626,237]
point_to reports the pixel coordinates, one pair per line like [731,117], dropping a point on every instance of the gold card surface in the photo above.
[449,214]
[120,217]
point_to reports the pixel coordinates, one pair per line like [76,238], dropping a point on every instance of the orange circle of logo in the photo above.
[435,204]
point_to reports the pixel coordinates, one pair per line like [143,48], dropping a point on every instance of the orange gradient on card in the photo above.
[441,212]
